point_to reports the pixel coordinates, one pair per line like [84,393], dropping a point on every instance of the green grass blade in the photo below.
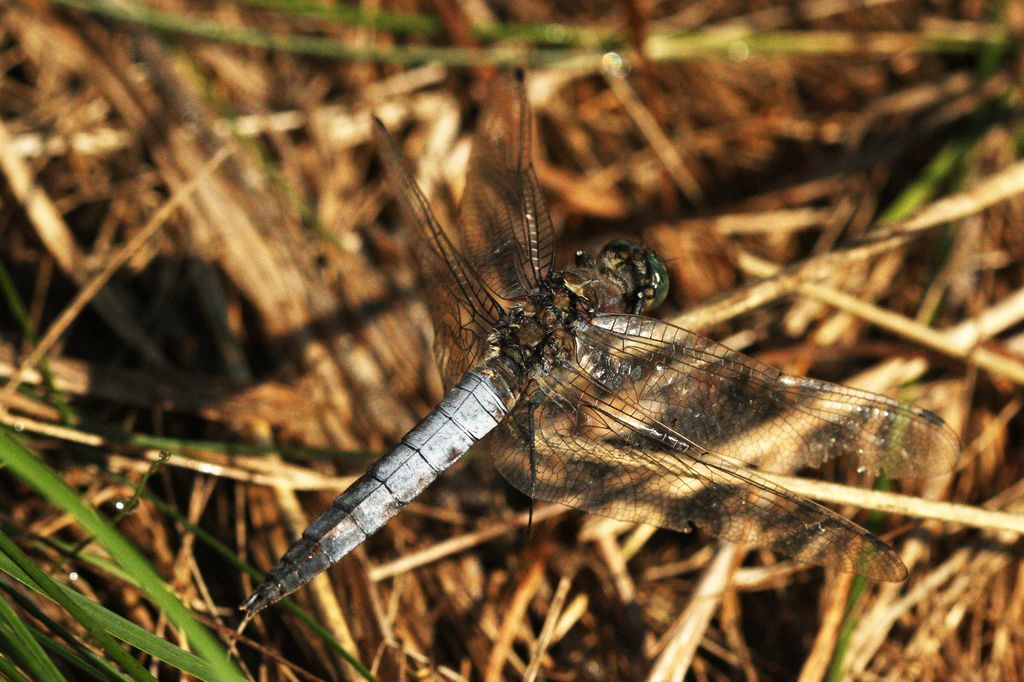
[103,564]
[349,15]
[48,484]
[123,629]
[428,26]
[9,671]
[60,641]
[331,48]
[24,647]
[20,313]
[91,624]
[86,666]
[662,47]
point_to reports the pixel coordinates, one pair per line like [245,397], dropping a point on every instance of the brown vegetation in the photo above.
[197,229]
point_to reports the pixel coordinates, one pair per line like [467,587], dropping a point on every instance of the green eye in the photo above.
[659,280]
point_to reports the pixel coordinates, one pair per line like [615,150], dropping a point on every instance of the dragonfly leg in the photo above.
[531,434]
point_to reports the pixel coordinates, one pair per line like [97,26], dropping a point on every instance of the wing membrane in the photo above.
[655,424]
[461,307]
[596,452]
[740,408]
[504,226]
[502,245]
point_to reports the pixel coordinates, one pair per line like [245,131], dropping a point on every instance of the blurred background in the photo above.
[210,323]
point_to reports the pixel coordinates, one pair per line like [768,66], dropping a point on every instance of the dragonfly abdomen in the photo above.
[466,414]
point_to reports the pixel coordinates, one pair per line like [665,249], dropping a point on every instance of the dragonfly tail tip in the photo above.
[256,602]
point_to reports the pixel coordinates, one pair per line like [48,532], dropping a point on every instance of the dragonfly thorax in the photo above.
[536,330]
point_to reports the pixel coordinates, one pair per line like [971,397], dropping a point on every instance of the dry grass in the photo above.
[198,255]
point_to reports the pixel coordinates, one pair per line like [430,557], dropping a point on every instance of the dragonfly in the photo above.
[587,402]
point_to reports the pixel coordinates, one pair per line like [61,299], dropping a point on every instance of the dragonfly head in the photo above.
[642,274]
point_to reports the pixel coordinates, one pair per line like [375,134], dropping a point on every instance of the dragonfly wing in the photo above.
[737,407]
[461,307]
[504,226]
[596,452]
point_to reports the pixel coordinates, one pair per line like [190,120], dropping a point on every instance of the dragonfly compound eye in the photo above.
[658,276]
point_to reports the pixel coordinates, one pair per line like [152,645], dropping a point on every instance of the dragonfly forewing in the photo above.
[740,408]
[504,225]
[461,307]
